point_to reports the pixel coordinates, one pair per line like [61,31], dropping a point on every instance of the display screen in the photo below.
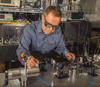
[5,1]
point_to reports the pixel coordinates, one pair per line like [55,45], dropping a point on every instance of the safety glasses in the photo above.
[49,25]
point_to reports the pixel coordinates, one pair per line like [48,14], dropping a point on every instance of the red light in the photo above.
[20,59]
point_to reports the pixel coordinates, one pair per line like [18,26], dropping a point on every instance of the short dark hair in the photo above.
[55,10]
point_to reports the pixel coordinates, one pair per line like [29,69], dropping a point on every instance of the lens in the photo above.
[49,25]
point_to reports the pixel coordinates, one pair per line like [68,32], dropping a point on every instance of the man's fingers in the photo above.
[29,64]
[73,56]
[32,62]
[37,61]
[70,56]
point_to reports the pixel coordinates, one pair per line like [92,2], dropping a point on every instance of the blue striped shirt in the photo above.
[41,42]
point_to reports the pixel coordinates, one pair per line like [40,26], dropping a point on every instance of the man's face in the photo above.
[50,23]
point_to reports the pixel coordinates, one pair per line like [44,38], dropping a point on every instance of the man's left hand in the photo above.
[70,55]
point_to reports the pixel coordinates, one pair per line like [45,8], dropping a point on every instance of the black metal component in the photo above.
[61,71]
[42,65]
[6,78]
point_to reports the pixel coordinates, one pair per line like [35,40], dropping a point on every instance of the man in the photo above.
[44,36]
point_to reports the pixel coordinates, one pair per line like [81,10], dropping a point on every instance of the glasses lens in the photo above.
[49,25]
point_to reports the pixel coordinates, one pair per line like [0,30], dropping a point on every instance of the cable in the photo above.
[45,82]
[89,81]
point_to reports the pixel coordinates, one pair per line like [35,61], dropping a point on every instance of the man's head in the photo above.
[51,19]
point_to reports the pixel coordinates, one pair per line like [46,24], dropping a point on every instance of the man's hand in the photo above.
[70,56]
[32,62]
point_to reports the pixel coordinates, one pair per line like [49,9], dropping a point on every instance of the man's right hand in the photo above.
[32,62]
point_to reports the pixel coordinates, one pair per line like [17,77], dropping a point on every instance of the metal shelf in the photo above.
[22,10]
[29,10]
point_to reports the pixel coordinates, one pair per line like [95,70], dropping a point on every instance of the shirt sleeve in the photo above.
[24,43]
[61,48]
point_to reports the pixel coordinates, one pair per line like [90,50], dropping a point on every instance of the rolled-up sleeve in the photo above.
[61,48]
[24,43]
